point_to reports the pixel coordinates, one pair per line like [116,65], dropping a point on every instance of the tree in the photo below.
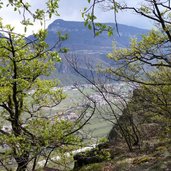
[28,131]
[146,63]
[31,15]
[26,95]
[153,49]
[111,99]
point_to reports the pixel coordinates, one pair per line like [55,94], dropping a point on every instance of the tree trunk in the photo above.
[21,167]
[22,162]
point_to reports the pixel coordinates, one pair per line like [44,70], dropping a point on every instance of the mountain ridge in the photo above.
[81,38]
[85,47]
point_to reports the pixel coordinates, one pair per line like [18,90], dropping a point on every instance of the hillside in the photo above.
[86,48]
[152,151]
[154,156]
[82,39]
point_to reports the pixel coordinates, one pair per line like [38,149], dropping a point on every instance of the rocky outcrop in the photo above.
[95,155]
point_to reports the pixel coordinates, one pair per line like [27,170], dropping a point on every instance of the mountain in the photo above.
[87,48]
[82,39]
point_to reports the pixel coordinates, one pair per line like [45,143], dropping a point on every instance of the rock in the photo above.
[50,169]
[95,155]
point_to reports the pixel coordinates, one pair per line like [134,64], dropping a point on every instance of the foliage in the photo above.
[146,64]
[29,14]
[26,96]
[89,18]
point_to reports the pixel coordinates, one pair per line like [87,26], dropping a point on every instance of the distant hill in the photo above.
[86,47]
[81,38]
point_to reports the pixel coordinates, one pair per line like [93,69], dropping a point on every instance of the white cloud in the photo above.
[70,10]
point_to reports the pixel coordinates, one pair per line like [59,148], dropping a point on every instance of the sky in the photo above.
[70,10]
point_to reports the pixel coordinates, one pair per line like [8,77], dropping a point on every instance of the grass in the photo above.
[98,128]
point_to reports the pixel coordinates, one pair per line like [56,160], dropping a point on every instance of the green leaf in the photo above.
[110,33]
[86,23]
[89,27]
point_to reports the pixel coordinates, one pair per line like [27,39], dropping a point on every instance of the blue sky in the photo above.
[71,10]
